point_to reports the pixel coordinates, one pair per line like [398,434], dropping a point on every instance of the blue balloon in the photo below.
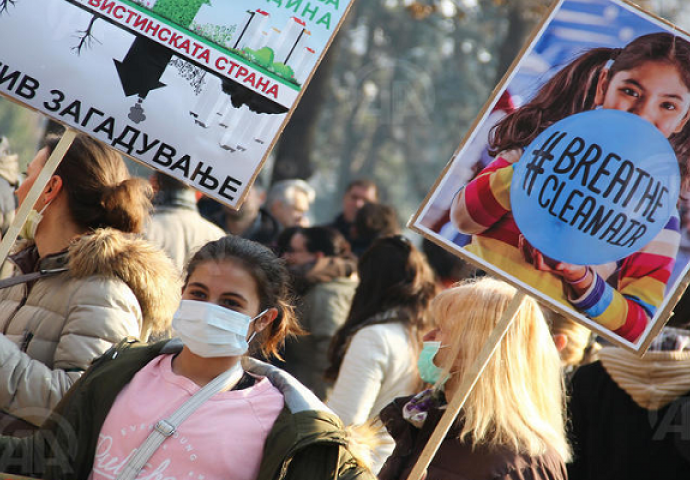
[595,187]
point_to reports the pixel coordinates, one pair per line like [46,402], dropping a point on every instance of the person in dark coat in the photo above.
[630,415]
[324,277]
[358,193]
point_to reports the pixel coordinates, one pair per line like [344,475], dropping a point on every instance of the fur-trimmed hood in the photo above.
[145,268]
[148,272]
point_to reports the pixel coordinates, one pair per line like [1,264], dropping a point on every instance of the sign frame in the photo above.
[422,215]
[188,153]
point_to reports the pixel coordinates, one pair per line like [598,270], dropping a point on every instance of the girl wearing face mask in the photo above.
[262,424]
[512,425]
[649,77]
[95,282]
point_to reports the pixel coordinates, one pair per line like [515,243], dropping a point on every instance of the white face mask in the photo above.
[30,226]
[210,330]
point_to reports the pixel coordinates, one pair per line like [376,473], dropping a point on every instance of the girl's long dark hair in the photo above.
[393,275]
[573,89]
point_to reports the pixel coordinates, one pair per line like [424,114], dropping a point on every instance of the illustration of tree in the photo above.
[282,70]
[85,36]
[6,4]
[181,12]
[218,34]
[263,57]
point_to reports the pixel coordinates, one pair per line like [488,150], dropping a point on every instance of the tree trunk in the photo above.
[513,41]
[293,152]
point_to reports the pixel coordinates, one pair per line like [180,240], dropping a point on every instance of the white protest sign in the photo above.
[198,89]
[572,184]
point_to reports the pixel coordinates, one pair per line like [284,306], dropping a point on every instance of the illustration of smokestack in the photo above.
[243,135]
[261,40]
[252,31]
[288,39]
[266,128]
[209,102]
[302,40]
[237,120]
[272,37]
[225,114]
[302,63]
[231,116]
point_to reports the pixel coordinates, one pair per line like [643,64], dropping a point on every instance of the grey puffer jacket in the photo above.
[115,286]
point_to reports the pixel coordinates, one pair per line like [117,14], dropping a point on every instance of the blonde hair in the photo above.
[518,401]
[578,336]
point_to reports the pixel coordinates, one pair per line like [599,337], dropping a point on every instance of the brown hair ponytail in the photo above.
[126,206]
[99,189]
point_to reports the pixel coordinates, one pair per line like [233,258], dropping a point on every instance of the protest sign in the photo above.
[197,89]
[570,184]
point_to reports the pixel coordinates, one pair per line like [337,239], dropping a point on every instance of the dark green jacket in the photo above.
[307,440]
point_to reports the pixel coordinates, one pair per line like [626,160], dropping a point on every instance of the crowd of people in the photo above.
[151,334]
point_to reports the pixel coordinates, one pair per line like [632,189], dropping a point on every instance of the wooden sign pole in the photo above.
[469,380]
[35,192]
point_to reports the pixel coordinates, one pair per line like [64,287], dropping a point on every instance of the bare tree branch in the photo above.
[85,37]
[5,5]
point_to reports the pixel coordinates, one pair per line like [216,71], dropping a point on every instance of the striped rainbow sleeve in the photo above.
[641,285]
[484,200]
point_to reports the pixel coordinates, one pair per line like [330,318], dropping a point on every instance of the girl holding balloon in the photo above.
[649,77]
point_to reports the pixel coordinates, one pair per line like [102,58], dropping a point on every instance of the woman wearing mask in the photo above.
[512,426]
[374,354]
[95,283]
[260,423]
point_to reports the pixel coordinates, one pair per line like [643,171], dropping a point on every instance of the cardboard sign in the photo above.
[570,184]
[197,89]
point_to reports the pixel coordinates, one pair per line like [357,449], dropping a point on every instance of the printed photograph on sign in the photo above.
[198,89]
[574,182]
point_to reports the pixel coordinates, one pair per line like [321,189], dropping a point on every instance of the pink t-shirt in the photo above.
[223,439]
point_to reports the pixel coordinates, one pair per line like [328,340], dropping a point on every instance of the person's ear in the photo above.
[561,341]
[266,319]
[52,189]
[602,86]
[153,180]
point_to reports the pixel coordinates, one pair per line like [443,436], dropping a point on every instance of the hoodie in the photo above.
[630,416]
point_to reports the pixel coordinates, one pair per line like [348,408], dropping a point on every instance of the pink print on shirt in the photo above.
[223,439]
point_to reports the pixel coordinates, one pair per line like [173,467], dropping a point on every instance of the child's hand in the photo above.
[578,277]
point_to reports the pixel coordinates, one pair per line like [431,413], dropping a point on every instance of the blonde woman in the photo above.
[512,425]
